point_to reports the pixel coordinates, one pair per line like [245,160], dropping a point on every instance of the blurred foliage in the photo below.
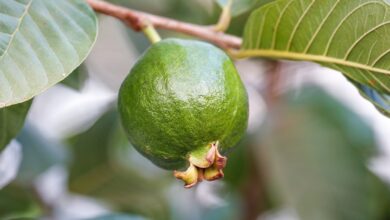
[241,6]
[189,11]
[117,217]
[95,171]
[244,178]
[39,154]
[20,200]
[11,121]
[17,202]
[238,168]
[316,151]
[227,212]
[77,78]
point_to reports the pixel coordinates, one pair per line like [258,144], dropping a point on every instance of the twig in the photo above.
[135,19]
[225,18]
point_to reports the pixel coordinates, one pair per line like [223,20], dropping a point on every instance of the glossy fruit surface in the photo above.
[181,100]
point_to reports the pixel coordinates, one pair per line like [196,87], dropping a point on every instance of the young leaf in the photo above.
[349,36]
[41,42]
[11,121]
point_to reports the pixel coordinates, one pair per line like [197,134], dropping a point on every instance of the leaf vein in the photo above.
[75,25]
[330,41]
[274,36]
[298,24]
[320,26]
[261,29]
[362,37]
[20,20]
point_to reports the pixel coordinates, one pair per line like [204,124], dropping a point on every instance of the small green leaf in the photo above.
[348,36]
[11,121]
[41,42]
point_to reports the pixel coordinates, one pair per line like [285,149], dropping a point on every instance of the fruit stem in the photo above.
[150,32]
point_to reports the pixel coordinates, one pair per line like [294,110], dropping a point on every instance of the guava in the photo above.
[184,105]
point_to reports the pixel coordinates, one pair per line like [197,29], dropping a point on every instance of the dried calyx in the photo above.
[205,164]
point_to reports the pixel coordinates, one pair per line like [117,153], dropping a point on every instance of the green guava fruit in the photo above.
[184,105]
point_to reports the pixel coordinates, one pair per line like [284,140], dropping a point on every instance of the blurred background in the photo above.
[314,150]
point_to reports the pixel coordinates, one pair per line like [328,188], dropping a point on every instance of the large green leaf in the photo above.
[41,42]
[352,37]
[11,121]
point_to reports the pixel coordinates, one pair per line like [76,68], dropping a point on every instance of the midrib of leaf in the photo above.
[306,57]
[20,21]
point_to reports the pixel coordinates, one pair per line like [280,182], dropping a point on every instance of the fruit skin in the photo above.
[179,97]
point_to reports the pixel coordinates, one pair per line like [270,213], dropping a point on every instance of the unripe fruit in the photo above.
[182,105]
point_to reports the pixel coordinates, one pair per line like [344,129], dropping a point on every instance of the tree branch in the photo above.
[136,20]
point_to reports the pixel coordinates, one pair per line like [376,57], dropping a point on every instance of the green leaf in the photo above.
[348,36]
[77,78]
[316,151]
[41,42]
[11,121]
[241,6]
